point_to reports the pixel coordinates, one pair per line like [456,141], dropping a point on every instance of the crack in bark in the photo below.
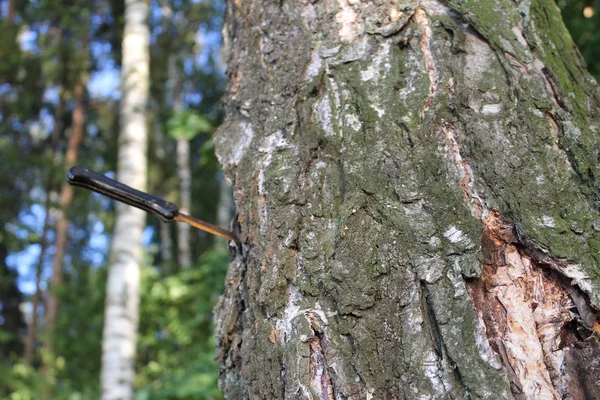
[424,24]
[320,379]
[529,314]
[478,206]
[444,359]
[529,311]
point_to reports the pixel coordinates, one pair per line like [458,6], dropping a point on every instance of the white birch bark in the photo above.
[122,295]
[184,173]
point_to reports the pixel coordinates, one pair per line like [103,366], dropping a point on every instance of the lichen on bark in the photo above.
[374,159]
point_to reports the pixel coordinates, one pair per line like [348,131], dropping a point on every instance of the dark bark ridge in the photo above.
[416,193]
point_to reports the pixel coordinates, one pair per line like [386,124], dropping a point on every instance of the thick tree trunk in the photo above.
[415,183]
[122,291]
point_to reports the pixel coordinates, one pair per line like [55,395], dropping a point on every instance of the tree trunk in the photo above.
[184,173]
[65,198]
[416,192]
[10,11]
[184,170]
[122,292]
[31,338]
[166,243]
[32,328]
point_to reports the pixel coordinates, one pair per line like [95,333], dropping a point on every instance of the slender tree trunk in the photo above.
[122,292]
[31,337]
[417,198]
[166,242]
[166,248]
[184,171]
[10,11]
[65,199]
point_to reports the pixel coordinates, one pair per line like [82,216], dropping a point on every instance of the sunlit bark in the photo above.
[122,292]
[416,184]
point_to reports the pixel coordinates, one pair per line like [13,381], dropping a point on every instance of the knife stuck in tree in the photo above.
[166,211]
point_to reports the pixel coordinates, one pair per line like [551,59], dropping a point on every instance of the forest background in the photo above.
[59,73]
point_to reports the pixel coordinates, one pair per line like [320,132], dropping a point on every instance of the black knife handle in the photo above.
[84,177]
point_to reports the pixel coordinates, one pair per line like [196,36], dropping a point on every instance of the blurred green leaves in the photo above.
[187,125]
[175,349]
[40,57]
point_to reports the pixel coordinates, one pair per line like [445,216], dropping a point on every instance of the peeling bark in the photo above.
[415,186]
[530,316]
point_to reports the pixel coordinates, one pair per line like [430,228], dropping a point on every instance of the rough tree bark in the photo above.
[415,183]
[122,291]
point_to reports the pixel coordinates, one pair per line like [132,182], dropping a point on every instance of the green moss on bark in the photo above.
[365,179]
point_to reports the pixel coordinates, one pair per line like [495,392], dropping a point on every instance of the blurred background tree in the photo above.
[59,73]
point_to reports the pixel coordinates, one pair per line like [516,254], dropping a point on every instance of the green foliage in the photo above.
[11,320]
[175,344]
[63,39]
[79,344]
[19,382]
[22,70]
[207,153]
[187,125]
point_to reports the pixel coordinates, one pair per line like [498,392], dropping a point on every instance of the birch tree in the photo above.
[122,296]
[417,199]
